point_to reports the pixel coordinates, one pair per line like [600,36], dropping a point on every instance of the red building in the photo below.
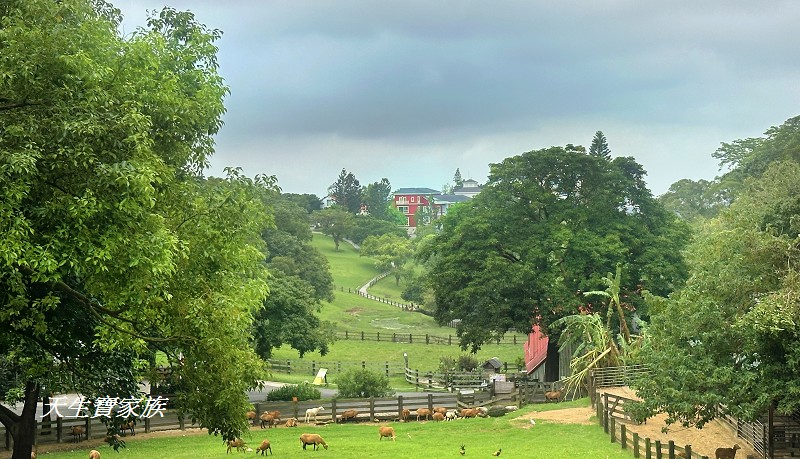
[409,200]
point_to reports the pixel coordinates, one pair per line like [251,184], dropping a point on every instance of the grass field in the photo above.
[354,313]
[516,437]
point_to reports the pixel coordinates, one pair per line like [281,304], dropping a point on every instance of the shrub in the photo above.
[496,411]
[467,362]
[303,391]
[362,383]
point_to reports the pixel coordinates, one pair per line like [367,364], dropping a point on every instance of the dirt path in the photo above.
[704,441]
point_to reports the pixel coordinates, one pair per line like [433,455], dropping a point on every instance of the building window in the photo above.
[403,209]
[402,200]
[408,221]
[412,198]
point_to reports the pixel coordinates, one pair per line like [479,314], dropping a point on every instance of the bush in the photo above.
[467,362]
[362,383]
[496,411]
[304,391]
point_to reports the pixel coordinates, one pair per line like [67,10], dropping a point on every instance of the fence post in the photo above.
[515,339]
[363,365]
[379,337]
[333,411]
[449,340]
[146,425]
[410,338]
[362,336]
[387,369]
[394,337]
[427,339]
[88,427]
[313,367]
[288,367]
[658,449]
[430,402]
[416,378]
[400,408]
[688,450]
[671,449]
[372,409]
[338,367]
[345,334]
[612,427]
[59,429]
[605,412]
[635,441]
[623,436]
[648,454]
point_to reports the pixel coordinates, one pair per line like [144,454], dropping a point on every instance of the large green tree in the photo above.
[113,245]
[547,226]
[731,338]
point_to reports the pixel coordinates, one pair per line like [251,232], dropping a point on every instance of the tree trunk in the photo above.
[22,427]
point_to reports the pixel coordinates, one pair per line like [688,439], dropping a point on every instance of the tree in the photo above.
[335,222]
[693,200]
[744,276]
[541,232]
[309,202]
[367,225]
[390,252]
[599,147]
[301,280]
[457,178]
[346,192]
[377,197]
[114,245]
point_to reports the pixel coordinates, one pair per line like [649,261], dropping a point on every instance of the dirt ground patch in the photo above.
[704,441]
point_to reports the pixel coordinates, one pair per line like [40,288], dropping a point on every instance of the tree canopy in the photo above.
[546,227]
[107,223]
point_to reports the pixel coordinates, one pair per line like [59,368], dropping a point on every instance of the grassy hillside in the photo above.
[354,313]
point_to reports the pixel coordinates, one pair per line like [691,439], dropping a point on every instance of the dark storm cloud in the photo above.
[467,81]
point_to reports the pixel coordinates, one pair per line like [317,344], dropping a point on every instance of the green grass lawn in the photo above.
[481,437]
[354,313]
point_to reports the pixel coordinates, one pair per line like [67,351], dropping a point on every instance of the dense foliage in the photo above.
[731,337]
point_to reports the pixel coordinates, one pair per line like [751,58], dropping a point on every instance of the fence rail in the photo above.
[617,376]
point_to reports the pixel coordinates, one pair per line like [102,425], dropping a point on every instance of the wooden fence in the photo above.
[614,420]
[412,338]
[59,430]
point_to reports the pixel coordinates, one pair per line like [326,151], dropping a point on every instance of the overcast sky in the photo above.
[413,90]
